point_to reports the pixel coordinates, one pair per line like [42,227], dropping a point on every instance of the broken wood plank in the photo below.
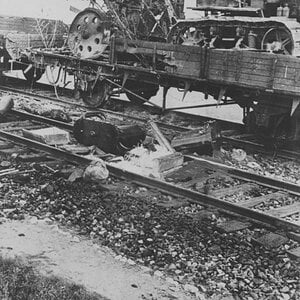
[191,139]
[168,162]
[262,199]
[50,135]
[160,137]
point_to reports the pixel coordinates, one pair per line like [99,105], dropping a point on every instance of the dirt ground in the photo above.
[63,253]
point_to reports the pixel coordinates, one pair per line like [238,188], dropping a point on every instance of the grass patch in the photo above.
[21,282]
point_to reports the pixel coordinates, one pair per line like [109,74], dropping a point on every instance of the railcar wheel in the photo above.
[278,40]
[97,96]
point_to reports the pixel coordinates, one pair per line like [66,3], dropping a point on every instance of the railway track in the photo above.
[250,143]
[34,96]
[244,141]
[236,208]
[261,199]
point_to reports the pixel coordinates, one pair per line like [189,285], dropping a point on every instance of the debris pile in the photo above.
[50,135]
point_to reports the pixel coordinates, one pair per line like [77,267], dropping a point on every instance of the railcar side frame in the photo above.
[186,67]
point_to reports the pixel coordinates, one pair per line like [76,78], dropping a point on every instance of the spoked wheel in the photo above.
[89,33]
[278,40]
[97,96]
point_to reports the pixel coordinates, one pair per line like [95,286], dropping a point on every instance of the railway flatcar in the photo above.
[234,52]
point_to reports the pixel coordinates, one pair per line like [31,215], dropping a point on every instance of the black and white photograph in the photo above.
[150,150]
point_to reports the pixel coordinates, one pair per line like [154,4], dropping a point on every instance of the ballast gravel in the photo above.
[167,240]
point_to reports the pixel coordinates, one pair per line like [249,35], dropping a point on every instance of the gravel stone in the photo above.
[164,241]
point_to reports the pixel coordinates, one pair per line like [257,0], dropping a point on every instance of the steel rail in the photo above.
[40,97]
[70,157]
[42,119]
[246,175]
[69,126]
[283,153]
[181,113]
[142,120]
[191,196]
[238,173]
